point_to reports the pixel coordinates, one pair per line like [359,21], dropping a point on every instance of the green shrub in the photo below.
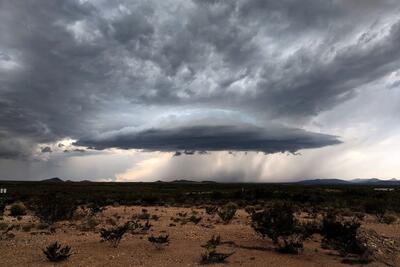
[341,234]
[54,207]
[55,253]
[17,209]
[279,224]
[227,212]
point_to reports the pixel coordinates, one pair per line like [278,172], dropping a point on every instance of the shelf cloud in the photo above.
[214,138]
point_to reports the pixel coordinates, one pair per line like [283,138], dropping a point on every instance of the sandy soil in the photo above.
[24,249]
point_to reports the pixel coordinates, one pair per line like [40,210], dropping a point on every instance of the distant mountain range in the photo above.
[370,181]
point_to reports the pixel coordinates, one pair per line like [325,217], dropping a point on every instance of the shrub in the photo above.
[138,228]
[227,212]
[340,234]
[2,206]
[279,224]
[211,256]
[389,219]
[292,244]
[3,226]
[377,208]
[194,219]
[114,235]
[250,210]
[211,210]
[89,224]
[55,253]
[94,208]
[54,207]
[159,241]
[213,242]
[17,209]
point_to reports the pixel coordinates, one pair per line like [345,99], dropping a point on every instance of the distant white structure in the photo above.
[383,189]
[3,190]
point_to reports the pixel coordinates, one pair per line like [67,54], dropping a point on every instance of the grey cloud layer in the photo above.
[214,138]
[81,68]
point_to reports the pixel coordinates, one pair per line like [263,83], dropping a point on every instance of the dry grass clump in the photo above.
[55,253]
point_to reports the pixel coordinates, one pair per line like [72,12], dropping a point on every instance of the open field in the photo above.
[179,210]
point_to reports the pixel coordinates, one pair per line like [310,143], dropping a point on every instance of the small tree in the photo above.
[279,224]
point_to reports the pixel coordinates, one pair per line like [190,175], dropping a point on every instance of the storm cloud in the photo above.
[214,138]
[188,75]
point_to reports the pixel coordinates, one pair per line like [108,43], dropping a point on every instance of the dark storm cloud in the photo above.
[80,68]
[214,138]
[46,149]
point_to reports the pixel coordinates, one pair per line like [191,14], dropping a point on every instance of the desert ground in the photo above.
[22,246]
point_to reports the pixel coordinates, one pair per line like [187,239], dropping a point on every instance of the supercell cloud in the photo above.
[190,75]
[214,138]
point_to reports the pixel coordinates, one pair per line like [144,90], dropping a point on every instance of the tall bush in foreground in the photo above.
[279,224]
[341,234]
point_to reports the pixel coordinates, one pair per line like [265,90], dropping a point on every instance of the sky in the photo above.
[223,90]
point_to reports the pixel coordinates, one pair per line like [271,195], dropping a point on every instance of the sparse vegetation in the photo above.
[341,234]
[159,241]
[227,212]
[17,209]
[55,253]
[51,208]
[211,210]
[211,255]
[2,206]
[279,223]
[114,235]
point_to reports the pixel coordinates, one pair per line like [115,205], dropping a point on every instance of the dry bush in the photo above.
[211,255]
[55,253]
[159,241]
[114,235]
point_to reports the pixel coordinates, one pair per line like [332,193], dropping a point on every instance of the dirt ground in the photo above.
[23,246]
